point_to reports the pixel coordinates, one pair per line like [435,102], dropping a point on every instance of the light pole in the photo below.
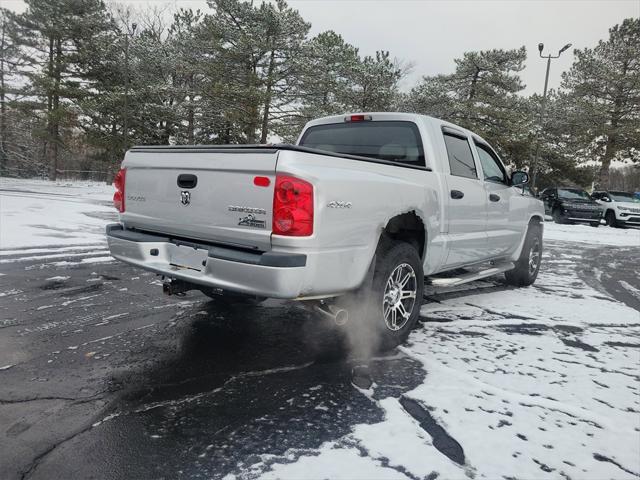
[125,126]
[534,165]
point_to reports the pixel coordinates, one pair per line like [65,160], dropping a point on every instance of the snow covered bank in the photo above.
[80,189]
[35,213]
[619,237]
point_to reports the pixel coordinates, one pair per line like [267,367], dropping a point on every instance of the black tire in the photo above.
[524,274]
[231,298]
[610,219]
[558,217]
[595,224]
[370,324]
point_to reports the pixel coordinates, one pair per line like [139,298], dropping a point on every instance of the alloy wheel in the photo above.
[399,297]
[535,254]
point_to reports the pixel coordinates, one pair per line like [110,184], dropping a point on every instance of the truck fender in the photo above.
[533,218]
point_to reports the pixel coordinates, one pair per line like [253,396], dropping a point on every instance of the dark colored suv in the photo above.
[571,205]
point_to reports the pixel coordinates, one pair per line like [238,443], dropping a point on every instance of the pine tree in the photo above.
[604,86]
[375,83]
[57,32]
[102,104]
[324,84]
[184,43]
[481,95]
[11,63]
[259,51]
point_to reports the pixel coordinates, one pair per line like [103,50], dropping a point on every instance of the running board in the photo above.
[471,276]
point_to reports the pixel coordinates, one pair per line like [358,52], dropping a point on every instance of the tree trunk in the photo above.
[113,152]
[611,147]
[363,104]
[191,113]
[227,133]
[55,125]
[253,106]
[472,92]
[168,127]
[3,109]
[267,98]
[47,140]
[609,154]
[190,126]
[474,82]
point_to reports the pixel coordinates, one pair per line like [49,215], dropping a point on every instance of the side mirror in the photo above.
[606,199]
[519,179]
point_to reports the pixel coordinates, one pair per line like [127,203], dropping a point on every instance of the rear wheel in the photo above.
[528,265]
[610,218]
[392,301]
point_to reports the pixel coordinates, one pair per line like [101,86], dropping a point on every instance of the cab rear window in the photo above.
[394,141]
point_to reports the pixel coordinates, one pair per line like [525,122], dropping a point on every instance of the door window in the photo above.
[491,166]
[460,157]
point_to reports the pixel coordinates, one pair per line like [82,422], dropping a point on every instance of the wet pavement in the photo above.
[104,377]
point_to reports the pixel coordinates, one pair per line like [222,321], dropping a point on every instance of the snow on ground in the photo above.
[81,189]
[594,236]
[540,382]
[532,383]
[36,213]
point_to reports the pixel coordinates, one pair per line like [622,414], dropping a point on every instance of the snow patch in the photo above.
[335,463]
[593,236]
[38,213]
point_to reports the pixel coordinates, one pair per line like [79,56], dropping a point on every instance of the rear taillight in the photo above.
[118,197]
[292,207]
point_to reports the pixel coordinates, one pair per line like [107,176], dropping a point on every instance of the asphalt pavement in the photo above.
[104,377]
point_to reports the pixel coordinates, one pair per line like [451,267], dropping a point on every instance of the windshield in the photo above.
[573,194]
[393,141]
[623,197]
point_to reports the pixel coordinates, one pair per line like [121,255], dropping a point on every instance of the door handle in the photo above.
[456,194]
[494,198]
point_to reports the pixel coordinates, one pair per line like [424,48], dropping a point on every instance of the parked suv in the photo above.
[571,205]
[620,208]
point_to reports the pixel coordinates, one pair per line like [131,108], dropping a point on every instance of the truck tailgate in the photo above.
[224,206]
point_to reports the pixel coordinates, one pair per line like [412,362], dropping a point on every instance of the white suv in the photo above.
[620,208]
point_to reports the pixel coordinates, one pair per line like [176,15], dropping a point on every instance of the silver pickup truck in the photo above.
[353,220]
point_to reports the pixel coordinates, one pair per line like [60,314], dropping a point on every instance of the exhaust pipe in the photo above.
[339,316]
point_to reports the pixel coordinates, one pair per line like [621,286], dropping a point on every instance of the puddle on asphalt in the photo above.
[244,382]
[442,441]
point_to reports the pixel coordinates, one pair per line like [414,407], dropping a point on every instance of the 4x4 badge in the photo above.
[185,197]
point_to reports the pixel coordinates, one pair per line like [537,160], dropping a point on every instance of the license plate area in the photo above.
[181,257]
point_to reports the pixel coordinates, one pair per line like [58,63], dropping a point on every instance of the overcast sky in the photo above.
[431,33]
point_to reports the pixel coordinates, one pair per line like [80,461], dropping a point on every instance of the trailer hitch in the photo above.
[176,287]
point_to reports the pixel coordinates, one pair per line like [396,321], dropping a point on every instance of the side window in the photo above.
[491,166]
[460,156]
